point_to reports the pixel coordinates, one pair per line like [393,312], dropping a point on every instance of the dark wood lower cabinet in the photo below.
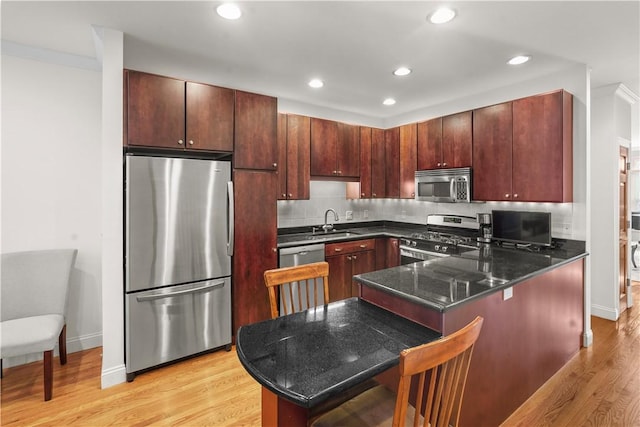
[255,244]
[525,339]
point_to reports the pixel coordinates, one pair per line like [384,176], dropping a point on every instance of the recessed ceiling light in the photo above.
[389,101]
[316,83]
[402,71]
[442,15]
[229,11]
[517,60]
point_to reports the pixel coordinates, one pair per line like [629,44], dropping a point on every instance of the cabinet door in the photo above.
[298,151]
[209,117]
[542,148]
[361,262]
[365,167]
[339,277]
[282,156]
[324,140]
[154,111]
[348,150]
[256,144]
[408,160]
[378,171]
[492,138]
[430,144]
[393,252]
[457,137]
[255,244]
[392,162]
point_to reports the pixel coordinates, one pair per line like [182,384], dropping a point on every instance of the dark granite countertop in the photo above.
[310,356]
[445,283]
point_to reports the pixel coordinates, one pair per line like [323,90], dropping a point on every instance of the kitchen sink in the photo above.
[331,235]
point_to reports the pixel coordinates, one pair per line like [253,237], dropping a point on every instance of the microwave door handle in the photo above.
[452,186]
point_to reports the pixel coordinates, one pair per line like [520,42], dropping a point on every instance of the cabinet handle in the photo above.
[354,257]
[274,249]
[413,194]
[290,195]
[190,142]
[515,195]
[363,246]
[284,196]
[361,194]
[374,194]
[348,257]
[339,172]
[444,164]
[506,196]
[180,142]
[338,249]
[275,165]
[439,164]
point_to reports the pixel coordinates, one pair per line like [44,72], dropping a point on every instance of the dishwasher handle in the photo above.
[207,287]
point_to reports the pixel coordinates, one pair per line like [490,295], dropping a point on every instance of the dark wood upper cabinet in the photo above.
[457,137]
[362,189]
[392,162]
[408,160]
[543,148]
[335,149]
[430,144]
[294,134]
[163,112]
[210,115]
[492,153]
[378,164]
[256,144]
[445,142]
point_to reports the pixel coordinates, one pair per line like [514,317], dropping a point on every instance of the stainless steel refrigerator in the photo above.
[178,247]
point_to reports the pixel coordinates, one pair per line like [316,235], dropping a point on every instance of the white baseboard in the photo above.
[73,345]
[604,312]
[113,376]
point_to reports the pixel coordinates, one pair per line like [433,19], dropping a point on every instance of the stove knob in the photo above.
[444,248]
[437,247]
[414,244]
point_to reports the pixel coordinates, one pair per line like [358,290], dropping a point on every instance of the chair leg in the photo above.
[62,345]
[48,374]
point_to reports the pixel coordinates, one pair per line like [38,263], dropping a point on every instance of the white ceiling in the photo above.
[276,47]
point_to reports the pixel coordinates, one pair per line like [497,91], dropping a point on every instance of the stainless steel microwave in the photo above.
[444,185]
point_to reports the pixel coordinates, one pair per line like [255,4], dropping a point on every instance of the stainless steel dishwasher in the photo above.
[298,255]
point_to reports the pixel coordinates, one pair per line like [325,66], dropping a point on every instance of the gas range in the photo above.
[444,235]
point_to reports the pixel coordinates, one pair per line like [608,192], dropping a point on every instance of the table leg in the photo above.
[278,412]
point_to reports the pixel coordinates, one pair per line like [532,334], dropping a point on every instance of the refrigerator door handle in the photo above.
[231,218]
[154,296]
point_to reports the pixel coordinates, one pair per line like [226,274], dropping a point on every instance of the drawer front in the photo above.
[341,248]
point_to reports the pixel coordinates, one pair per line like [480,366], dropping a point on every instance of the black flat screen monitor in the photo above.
[522,227]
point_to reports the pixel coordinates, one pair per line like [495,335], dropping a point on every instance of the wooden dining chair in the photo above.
[438,369]
[298,287]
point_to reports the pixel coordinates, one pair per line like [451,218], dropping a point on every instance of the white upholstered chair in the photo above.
[34,292]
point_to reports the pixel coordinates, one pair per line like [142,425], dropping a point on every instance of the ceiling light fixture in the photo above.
[389,101]
[442,15]
[517,60]
[316,83]
[402,71]
[229,11]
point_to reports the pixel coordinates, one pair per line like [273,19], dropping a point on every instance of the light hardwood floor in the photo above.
[600,386]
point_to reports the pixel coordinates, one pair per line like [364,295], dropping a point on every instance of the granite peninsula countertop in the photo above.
[444,283]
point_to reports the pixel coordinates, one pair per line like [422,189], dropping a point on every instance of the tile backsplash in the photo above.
[331,194]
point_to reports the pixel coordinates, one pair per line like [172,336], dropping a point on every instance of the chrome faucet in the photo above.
[328,227]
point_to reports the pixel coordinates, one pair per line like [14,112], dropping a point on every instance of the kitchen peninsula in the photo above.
[532,304]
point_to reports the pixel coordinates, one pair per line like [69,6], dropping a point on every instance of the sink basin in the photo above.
[331,235]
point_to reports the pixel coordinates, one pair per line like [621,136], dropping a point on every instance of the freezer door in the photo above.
[176,221]
[178,321]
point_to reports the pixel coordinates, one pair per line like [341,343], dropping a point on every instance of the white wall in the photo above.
[51,126]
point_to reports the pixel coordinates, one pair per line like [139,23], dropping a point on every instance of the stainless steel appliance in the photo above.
[444,235]
[179,242]
[299,255]
[484,231]
[443,185]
